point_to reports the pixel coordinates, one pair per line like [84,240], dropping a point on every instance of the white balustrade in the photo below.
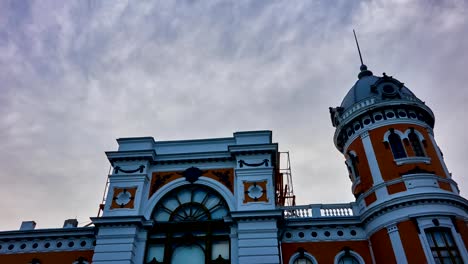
[320,210]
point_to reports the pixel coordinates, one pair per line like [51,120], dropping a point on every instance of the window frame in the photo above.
[302,254]
[348,252]
[445,233]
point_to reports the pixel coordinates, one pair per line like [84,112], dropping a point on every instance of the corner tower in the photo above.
[402,186]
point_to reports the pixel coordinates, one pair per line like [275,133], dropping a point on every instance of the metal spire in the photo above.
[364,71]
[359,50]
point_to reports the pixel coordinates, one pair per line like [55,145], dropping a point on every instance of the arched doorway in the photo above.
[189,228]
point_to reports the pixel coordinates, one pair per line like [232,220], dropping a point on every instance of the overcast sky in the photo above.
[76,75]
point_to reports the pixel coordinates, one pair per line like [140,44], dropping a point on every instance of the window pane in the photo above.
[429,239]
[220,248]
[439,240]
[155,251]
[302,261]
[448,238]
[396,146]
[192,254]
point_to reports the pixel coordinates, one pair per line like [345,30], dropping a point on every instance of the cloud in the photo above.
[75,76]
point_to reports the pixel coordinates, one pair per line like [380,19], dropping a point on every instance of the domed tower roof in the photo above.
[373,93]
[366,87]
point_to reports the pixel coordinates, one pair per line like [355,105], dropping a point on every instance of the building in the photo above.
[228,200]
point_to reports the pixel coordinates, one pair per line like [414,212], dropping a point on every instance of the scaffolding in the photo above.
[284,184]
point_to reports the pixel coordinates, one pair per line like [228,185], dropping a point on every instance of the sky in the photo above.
[76,75]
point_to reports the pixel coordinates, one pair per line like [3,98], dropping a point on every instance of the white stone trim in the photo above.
[352,253]
[306,254]
[396,131]
[397,246]
[413,159]
[218,187]
[381,193]
[439,155]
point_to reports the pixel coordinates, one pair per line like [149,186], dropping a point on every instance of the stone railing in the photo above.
[320,210]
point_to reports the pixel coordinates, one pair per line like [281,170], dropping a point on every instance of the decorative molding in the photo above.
[224,176]
[139,169]
[242,163]
[192,174]
[63,244]
[410,160]
[123,198]
[255,191]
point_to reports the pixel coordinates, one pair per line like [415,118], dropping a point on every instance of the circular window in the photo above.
[389,90]
[378,117]
[402,114]
[353,232]
[327,234]
[367,121]
[35,245]
[314,234]
[357,127]
[59,244]
[340,233]
[23,246]
[83,243]
[390,115]
[47,245]
[10,247]
[288,235]
[301,234]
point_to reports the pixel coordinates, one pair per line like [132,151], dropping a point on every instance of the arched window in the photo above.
[396,145]
[302,257]
[416,144]
[442,245]
[190,228]
[347,256]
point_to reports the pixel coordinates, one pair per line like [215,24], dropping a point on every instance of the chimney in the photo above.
[27,225]
[69,223]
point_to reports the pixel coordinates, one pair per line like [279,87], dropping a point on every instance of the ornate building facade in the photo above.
[228,200]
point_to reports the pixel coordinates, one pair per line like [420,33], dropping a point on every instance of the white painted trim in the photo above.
[306,254]
[439,155]
[413,159]
[396,131]
[371,159]
[352,253]
[397,246]
[218,187]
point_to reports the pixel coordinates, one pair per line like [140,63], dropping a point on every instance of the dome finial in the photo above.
[363,68]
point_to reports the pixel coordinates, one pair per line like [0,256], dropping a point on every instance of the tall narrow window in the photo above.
[416,144]
[443,246]
[395,144]
[352,164]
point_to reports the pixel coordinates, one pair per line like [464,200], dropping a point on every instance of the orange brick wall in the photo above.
[382,247]
[363,167]
[384,156]
[411,242]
